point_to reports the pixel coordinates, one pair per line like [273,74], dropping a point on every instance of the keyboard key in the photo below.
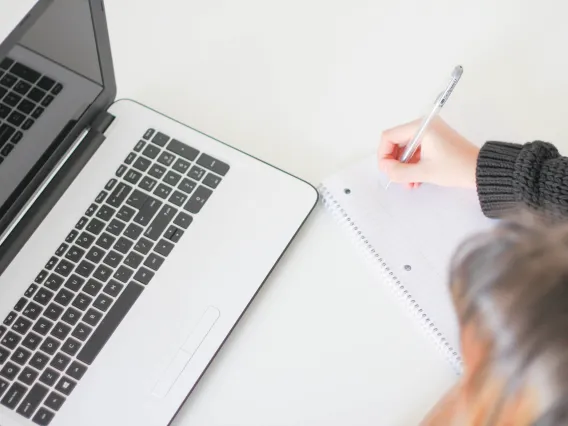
[91,210]
[181,166]
[120,171]
[17,137]
[132,176]
[126,213]
[143,246]
[75,282]
[148,183]
[64,268]
[101,197]
[82,331]
[211,180]
[26,106]
[75,254]
[6,63]
[147,211]
[50,346]
[49,377]
[157,171]
[119,194]
[61,331]
[63,297]
[154,262]
[164,247]
[5,131]
[151,151]
[32,310]
[54,401]
[123,274]
[10,318]
[109,323]
[123,245]
[61,249]
[95,255]
[28,376]
[113,288]
[196,173]
[187,185]
[39,360]
[159,224]
[177,235]
[42,326]
[102,302]
[95,226]
[92,287]
[133,231]
[148,134]
[28,124]
[105,212]
[20,304]
[172,178]
[106,240]
[71,236]
[160,139]
[133,260]
[31,341]
[85,268]
[198,199]
[10,371]
[43,417]
[51,263]
[21,325]
[139,145]
[213,164]
[43,296]
[53,312]
[76,370]
[130,158]
[25,73]
[142,164]
[183,220]
[103,273]
[32,400]
[71,316]
[11,99]
[21,356]
[16,118]
[60,361]
[57,89]
[4,353]
[143,275]
[46,83]
[183,150]
[38,112]
[178,198]
[115,227]
[65,386]
[2,330]
[47,101]
[55,281]
[3,386]
[82,301]
[166,158]
[71,346]
[14,395]
[113,259]
[8,80]
[92,317]
[10,340]
[85,240]
[137,199]
[7,149]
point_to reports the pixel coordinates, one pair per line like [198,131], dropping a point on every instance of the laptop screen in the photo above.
[47,81]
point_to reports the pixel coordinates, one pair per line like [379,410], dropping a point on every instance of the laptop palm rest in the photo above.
[185,353]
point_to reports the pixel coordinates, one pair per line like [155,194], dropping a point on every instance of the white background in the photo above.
[308,86]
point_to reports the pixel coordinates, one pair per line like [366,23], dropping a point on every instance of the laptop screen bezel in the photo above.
[24,192]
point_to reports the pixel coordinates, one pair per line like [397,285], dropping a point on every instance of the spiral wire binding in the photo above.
[394,283]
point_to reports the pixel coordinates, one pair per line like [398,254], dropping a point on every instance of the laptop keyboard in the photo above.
[24,96]
[66,316]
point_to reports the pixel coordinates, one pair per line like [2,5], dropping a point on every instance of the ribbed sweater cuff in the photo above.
[494,175]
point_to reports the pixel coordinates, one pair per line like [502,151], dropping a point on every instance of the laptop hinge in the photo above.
[51,190]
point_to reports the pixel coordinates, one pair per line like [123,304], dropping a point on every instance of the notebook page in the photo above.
[415,232]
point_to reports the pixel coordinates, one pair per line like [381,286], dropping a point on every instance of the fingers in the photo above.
[403,172]
[393,139]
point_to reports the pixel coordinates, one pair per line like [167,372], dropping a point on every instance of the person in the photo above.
[509,285]
[507,176]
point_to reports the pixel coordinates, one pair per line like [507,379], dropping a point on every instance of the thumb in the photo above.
[403,172]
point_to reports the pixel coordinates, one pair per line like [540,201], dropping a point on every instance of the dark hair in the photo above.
[513,281]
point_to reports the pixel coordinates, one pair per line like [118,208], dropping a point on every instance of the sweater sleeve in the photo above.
[532,176]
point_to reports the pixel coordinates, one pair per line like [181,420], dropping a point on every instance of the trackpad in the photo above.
[184,354]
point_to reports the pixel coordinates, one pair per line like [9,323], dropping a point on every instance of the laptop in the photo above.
[130,243]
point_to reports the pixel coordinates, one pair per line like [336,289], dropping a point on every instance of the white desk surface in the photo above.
[308,85]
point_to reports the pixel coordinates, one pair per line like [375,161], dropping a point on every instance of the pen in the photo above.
[442,98]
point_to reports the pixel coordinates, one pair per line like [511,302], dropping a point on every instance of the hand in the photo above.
[444,157]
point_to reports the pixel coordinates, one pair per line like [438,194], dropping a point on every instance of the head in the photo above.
[510,290]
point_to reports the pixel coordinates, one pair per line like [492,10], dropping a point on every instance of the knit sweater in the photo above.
[533,176]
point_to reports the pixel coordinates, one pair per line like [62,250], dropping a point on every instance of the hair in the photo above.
[512,284]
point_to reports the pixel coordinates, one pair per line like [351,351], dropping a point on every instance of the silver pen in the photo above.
[441,100]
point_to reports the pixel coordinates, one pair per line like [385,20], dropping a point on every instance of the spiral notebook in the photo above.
[408,237]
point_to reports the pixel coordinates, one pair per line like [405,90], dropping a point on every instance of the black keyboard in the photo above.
[76,302]
[24,96]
